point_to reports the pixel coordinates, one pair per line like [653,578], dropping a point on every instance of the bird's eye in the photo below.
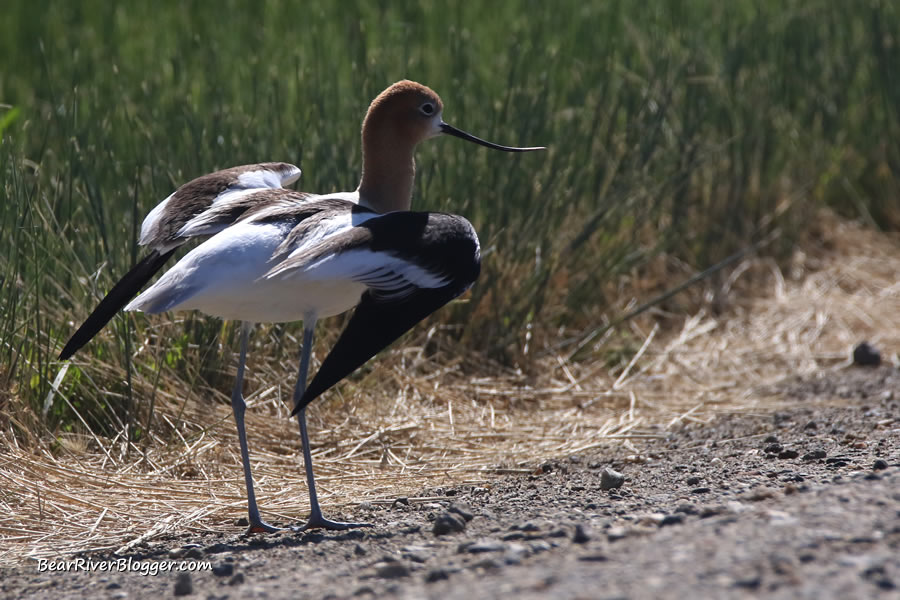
[427,109]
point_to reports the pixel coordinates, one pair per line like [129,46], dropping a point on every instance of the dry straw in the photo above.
[425,425]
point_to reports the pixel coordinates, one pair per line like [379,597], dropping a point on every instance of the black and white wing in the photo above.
[201,207]
[411,263]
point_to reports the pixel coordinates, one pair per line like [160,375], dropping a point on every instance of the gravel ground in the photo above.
[799,503]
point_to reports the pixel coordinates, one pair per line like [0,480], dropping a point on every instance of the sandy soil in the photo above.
[802,502]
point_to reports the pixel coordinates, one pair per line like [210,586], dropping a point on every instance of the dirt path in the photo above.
[802,502]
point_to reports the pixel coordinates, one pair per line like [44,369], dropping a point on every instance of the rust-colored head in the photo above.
[398,119]
[406,112]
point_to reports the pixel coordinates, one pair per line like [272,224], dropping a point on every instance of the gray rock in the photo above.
[183,584]
[582,534]
[392,570]
[672,520]
[610,479]
[593,557]
[866,355]
[436,575]
[448,523]
[462,510]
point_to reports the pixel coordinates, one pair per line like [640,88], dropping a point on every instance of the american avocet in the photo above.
[289,256]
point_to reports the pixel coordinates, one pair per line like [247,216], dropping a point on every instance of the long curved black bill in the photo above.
[451,130]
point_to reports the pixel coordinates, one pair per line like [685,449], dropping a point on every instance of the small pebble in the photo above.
[879,465]
[462,510]
[595,557]
[236,579]
[773,448]
[616,533]
[865,355]
[223,569]
[671,520]
[582,534]
[750,582]
[558,533]
[436,575]
[771,439]
[788,454]
[448,523]
[692,480]
[392,570]
[610,479]
[183,584]
[815,454]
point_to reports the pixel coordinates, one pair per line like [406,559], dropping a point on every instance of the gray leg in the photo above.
[316,520]
[240,407]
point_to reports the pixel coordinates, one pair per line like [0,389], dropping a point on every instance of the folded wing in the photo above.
[198,208]
[411,263]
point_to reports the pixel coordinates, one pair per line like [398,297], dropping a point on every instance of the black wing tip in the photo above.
[69,351]
[306,399]
[117,297]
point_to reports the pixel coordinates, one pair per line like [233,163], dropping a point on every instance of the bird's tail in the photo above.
[117,297]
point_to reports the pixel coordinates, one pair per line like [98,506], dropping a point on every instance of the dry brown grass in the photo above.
[426,424]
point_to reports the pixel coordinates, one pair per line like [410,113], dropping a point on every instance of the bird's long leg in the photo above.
[316,520]
[257,525]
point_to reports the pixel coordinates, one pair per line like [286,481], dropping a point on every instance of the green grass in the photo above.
[686,128]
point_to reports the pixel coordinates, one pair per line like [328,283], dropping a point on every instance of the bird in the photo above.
[278,255]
